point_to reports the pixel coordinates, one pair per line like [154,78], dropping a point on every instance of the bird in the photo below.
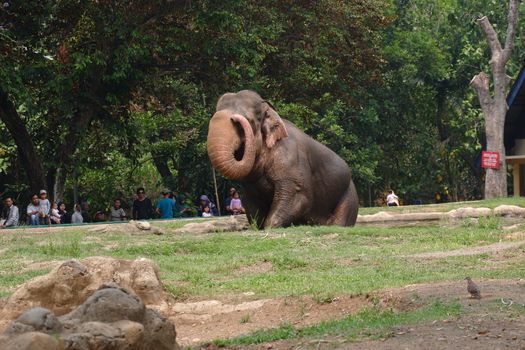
[473,289]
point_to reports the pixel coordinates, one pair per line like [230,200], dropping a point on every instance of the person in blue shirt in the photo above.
[165,206]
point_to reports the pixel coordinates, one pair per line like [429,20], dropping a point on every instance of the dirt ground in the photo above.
[492,248]
[202,321]
[497,321]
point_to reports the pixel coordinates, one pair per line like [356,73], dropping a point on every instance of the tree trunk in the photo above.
[495,106]
[29,157]
[78,125]
[444,138]
[496,179]
[59,186]
[161,163]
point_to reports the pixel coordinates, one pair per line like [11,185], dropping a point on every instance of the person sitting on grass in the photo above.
[55,215]
[116,213]
[205,202]
[392,200]
[65,217]
[99,216]
[227,200]
[77,218]
[236,204]
[182,209]
[33,211]
[206,212]
[84,210]
[44,208]
[11,216]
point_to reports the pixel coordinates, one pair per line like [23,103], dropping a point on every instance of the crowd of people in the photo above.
[40,211]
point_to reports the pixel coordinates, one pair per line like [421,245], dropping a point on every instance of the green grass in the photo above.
[372,323]
[321,262]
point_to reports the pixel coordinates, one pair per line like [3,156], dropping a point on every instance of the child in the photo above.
[55,215]
[206,213]
[116,213]
[236,204]
[65,217]
[392,200]
[44,207]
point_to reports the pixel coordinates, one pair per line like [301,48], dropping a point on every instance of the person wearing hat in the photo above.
[228,200]
[44,207]
[166,205]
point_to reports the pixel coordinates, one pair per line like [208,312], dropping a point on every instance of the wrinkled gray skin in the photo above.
[288,177]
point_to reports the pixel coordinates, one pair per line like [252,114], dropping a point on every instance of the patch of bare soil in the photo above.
[515,235]
[41,265]
[497,321]
[198,322]
[492,248]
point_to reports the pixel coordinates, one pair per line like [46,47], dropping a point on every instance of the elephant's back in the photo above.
[330,176]
[322,159]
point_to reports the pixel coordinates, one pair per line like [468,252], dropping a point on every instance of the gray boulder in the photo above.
[113,318]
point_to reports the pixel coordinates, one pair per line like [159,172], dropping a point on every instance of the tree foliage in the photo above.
[117,94]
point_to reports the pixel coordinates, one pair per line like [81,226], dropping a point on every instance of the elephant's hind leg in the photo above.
[345,214]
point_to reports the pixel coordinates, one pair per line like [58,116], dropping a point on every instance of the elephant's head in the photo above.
[242,125]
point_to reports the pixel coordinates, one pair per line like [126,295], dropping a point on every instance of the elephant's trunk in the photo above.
[231,149]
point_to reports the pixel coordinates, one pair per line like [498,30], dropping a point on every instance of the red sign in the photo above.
[490,160]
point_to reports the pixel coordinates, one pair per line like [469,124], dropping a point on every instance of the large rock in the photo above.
[132,228]
[509,211]
[394,217]
[469,212]
[71,283]
[229,224]
[31,341]
[111,318]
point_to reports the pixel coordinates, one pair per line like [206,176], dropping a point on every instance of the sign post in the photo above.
[490,160]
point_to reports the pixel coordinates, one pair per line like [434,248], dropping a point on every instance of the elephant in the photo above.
[287,177]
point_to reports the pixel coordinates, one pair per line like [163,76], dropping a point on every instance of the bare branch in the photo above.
[508,80]
[480,83]
[492,36]
[512,20]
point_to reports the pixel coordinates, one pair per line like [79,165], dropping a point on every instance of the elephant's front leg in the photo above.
[289,205]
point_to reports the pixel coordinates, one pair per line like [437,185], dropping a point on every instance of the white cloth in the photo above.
[76,218]
[32,208]
[392,198]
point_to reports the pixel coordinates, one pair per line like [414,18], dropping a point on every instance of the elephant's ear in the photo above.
[273,126]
